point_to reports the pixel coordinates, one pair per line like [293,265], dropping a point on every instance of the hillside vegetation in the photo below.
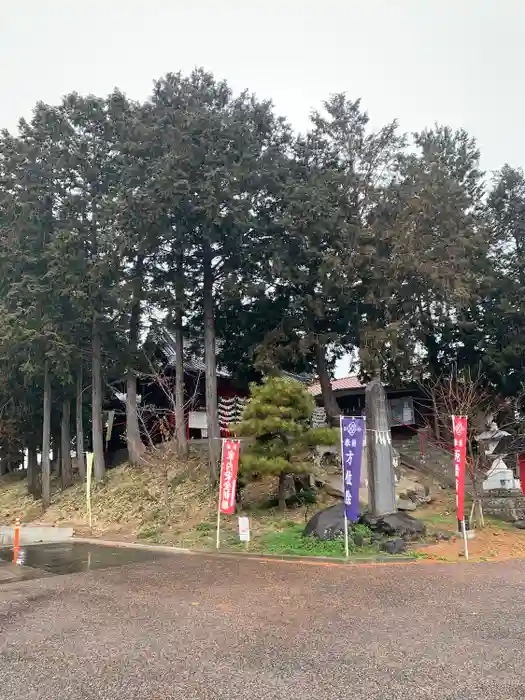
[165,501]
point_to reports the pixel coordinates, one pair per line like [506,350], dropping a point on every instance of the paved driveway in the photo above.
[197,627]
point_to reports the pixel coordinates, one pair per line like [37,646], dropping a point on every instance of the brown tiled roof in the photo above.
[338,385]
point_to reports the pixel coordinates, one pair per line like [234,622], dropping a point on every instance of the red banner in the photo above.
[230,466]
[459,425]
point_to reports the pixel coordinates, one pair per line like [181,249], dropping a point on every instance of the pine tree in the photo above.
[278,418]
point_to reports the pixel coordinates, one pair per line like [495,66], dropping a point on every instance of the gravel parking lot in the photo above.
[198,627]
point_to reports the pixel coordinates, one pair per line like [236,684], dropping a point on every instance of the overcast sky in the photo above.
[454,61]
[458,62]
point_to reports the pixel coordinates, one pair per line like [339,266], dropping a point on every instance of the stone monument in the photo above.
[380,467]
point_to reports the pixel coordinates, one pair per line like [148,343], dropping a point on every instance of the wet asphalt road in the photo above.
[197,627]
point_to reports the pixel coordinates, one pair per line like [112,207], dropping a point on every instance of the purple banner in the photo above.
[352,436]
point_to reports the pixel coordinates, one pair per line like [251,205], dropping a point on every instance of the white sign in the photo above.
[244,528]
[197,420]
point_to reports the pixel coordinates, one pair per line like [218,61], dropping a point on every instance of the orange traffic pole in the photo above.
[16,543]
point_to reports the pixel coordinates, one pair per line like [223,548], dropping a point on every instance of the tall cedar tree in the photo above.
[337,174]
[501,334]
[423,275]
[37,316]
[81,141]
[216,156]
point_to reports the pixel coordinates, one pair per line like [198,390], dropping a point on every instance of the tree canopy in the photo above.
[270,250]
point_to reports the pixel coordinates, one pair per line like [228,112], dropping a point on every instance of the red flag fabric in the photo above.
[229,469]
[459,425]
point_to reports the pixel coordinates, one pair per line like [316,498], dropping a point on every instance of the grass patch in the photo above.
[418,555]
[147,532]
[490,521]
[444,520]
[291,541]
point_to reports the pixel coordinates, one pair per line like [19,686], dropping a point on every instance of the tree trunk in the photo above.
[46,440]
[134,442]
[4,468]
[99,467]
[55,444]
[81,458]
[66,471]
[437,429]
[212,415]
[330,403]
[133,439]
[180,423]
[33,480]
[282,492]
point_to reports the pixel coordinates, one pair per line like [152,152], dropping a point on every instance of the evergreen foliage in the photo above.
[278,419]
[203,208]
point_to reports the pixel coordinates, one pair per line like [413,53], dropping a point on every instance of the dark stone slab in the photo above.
[327,524]
[399,525]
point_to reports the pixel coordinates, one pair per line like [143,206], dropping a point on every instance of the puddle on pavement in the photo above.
[74,557]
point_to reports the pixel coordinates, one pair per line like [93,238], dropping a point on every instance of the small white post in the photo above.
[218,542]
[464,530]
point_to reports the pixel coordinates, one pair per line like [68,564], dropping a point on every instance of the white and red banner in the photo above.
[459,426]
[229,469]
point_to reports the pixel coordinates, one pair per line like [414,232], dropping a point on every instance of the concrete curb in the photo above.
[35,535]
[375,559]
[134,545]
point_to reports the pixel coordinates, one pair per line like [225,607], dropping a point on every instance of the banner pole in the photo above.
[89,468]
[464,529]
[343,487]
[218,542]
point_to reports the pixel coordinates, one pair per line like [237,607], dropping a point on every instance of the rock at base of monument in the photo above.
[405,504]
[361,540]
[396,546]
[520,524]
[395,525]
[327,524]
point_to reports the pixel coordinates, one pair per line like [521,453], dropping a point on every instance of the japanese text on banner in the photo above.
[352,437]
[230,465]
[459,425]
